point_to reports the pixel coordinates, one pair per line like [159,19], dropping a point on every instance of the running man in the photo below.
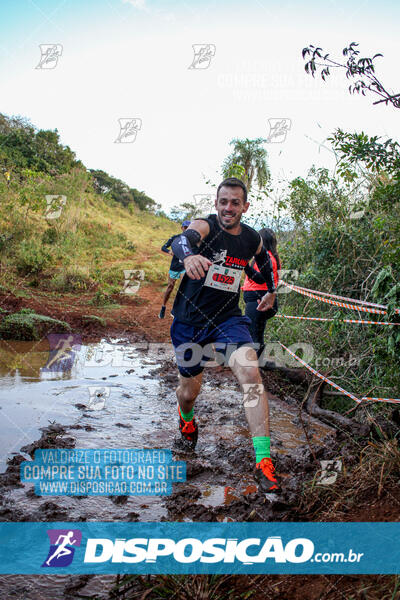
[214,251]
[62,550]
[175,270]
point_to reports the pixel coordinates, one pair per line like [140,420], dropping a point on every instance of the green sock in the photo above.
[261,447]
[187,416]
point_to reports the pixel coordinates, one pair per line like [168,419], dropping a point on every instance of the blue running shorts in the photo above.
[194,345]
[175,274]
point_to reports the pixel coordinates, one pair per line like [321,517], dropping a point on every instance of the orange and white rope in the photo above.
[320,296]
[336,386]
[376,311]
[392,400]
[340,320]
[329,295]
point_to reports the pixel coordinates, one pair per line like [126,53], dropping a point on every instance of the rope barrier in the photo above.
[360,305]
[376,311]
[329,295]
[340,320]
[336,386]
[393,400]
[320,296]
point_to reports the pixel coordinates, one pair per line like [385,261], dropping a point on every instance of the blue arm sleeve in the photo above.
[182,246]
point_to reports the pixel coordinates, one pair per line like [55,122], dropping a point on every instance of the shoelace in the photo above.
[188,427]
[267,468]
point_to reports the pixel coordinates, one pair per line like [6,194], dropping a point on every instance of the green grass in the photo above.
[27,325]
[89,245]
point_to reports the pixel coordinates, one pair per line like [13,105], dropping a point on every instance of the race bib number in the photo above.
[223,278]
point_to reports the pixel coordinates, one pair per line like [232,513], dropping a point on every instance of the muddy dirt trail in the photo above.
[136,408]
[120,393]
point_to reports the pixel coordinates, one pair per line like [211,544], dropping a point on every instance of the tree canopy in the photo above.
[27,151]
[248,161]
[22,146]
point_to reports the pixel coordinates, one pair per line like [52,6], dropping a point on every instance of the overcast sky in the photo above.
[130,59]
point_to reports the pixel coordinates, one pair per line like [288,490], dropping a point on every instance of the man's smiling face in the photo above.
[230,206]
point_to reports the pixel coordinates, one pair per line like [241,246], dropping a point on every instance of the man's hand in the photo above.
[266,301]
[196,266]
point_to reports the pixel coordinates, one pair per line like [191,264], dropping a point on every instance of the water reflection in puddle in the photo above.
[97,388]
[113,398]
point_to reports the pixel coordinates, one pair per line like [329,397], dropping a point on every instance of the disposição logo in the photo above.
[61,551]
[189,550]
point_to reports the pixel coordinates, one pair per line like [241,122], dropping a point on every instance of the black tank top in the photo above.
[215,297]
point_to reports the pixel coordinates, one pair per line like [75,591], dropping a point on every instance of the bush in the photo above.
[73,279]
[27,325]
[94,319]
[101,299]
[344,240]
[50,236]
[32,258]
[4,238]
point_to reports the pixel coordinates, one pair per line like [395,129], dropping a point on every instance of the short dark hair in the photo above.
[233,182]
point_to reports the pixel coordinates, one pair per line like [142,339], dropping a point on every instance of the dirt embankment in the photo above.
[135,318]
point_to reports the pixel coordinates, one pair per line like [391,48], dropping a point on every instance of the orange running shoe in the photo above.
[265,476]
[189,433]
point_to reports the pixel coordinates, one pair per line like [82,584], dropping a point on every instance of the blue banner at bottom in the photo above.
[193,548]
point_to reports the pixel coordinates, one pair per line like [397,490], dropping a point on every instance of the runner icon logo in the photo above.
[62,542]
[203,204]
[64,349]
[97,397]
[133,277]
[329,471]
[219,257]
[252,394]
[203,53]
[54,205]
[278,129]
[128,129]
[49,55]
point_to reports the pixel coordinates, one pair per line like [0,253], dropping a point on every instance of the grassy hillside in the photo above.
[95,227]
[92,241]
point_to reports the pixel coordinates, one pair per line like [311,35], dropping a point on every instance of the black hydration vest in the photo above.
[215,297]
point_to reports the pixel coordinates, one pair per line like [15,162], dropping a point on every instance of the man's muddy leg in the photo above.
[244,365]
[187,391]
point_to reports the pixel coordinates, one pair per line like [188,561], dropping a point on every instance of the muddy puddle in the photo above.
[122,395]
